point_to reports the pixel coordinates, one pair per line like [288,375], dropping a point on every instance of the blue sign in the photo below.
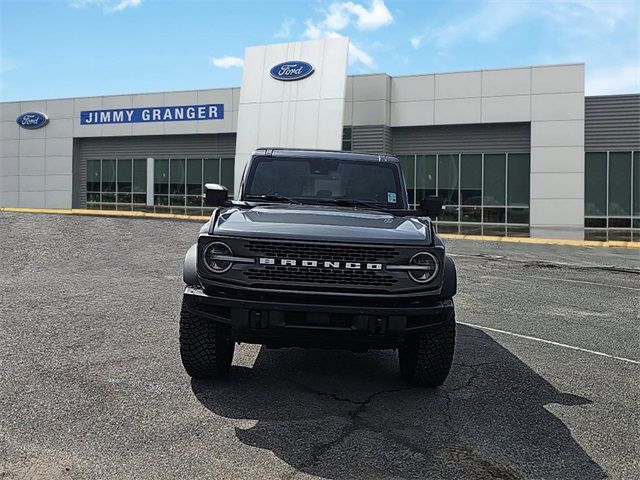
[32,120]
[183,113]
[294,70]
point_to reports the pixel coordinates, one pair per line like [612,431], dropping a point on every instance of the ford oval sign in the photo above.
[294,70]
[32,120]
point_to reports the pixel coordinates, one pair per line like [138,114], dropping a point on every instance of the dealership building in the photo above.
[516,151]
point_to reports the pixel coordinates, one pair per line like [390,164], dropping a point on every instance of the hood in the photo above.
[313,222]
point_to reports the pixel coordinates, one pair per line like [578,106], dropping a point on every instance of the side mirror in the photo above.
[431,207]
[215,195]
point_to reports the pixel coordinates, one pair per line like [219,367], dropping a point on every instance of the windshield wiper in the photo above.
[351,202]
[272,198]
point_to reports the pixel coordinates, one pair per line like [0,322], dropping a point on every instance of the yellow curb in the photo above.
[105,213]
[544,241]
[451,236]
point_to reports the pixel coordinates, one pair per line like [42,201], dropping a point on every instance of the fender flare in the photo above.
[450,278]
[190,268]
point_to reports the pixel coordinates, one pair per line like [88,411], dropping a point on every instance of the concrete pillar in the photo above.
[150,182]
[306,113]
[557,152]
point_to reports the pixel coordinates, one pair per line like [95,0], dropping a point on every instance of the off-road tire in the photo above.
[206,347]
[426,357]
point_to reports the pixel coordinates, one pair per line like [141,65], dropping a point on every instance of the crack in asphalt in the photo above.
[355,421]
[583,268]
[481,364]
[327,394]
[550,265]
[485,467]
[475,368]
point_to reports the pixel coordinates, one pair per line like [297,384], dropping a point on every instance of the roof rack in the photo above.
[316,152]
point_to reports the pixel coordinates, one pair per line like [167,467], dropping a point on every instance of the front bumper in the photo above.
[310,323]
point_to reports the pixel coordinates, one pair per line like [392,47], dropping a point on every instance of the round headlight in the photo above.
[217,257]
[424,267]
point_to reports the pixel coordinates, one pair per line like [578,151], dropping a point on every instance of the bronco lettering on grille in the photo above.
[289,262]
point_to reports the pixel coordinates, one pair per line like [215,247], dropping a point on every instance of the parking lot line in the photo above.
[550,342]
[586,282]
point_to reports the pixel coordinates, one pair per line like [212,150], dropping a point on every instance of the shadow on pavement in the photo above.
[340,415]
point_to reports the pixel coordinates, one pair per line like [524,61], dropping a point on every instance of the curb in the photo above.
[446,236]
[544,241]
[105,213]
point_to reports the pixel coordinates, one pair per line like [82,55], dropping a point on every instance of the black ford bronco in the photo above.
[319,250]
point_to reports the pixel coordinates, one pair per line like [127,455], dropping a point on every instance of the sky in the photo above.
[72,48]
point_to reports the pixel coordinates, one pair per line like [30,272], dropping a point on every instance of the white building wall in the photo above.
[306,113]
[550,97]
[36,166]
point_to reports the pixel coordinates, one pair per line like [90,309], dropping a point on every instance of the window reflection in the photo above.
[176,176]
[612,196]
[111,181]
[494,179]
[471,180]
[194,177]
[448,177]
[425,176]
[619,184]
[121,184]
[485,193]
[408,164]
[518,179]
[108,176]
[125,175]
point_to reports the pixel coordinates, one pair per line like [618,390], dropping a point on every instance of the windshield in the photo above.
[322,180]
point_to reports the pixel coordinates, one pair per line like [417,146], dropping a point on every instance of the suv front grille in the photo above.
[312,251]
[321,276]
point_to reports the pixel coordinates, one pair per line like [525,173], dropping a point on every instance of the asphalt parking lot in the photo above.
[545,381]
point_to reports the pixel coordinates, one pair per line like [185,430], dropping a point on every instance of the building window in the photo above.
[484,193]
[612,196]
[471,188]
[347,133]
[121,184]
[425,175]
[179,182]
[117,184]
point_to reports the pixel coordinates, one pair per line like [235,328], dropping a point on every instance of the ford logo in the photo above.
[294,70]
[32,120]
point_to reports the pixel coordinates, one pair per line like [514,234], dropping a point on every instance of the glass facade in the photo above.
[117,184]
[121,184]
[484,193]
[347,135]
[612,196]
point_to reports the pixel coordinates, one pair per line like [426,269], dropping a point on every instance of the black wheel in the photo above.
[206,347]
[425,359]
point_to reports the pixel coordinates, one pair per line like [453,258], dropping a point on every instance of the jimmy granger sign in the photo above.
[181,113]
